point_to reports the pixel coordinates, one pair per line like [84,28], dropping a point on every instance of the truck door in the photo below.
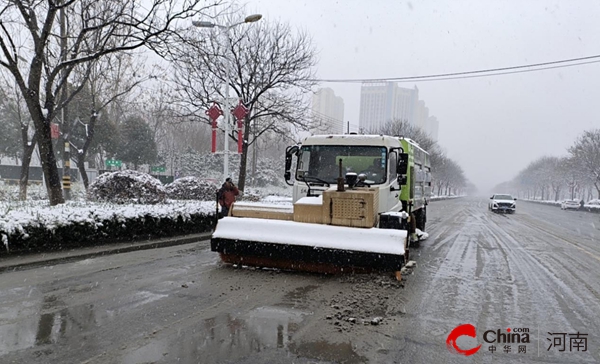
[391,194]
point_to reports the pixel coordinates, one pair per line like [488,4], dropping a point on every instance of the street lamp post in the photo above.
[225,30]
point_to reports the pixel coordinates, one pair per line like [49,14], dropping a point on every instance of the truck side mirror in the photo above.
[402,163]
[289,153]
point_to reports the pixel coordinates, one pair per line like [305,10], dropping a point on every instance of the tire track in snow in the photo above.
[500,282]
[552,302]
[456,283]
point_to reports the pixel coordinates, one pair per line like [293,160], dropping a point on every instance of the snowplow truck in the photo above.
[358,201]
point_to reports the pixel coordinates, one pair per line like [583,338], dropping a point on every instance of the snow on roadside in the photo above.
[278,200]
[435,197]
[421,234]
[15,217]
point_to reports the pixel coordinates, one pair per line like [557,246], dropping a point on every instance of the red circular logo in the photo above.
[461,330]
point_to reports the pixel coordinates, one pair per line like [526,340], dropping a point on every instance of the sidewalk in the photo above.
[21,261]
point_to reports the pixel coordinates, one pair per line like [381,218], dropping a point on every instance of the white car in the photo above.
[595,202]
[570,205]
[502,203]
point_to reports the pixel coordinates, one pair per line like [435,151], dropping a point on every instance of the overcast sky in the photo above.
[492,126]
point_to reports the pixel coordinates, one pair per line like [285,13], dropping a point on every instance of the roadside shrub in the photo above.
[250,194]
[127,187]
[192,188]
[41,238]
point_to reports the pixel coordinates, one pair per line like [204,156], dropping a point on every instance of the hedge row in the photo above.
[85,234]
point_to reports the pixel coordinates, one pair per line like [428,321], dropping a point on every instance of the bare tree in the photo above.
[14,105]
[586,152]
[107,80]
[556,170]
[173,134]
[447,173]
[398,127]
[41,42]
[546,177]
[450,178]
[272,71]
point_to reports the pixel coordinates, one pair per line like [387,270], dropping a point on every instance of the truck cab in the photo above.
[372,158]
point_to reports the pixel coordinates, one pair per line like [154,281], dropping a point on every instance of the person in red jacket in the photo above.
[227,195]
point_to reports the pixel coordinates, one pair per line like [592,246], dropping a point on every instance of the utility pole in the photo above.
[66,180]
[254,156]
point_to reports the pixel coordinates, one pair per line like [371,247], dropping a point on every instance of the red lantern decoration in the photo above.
[213,113]
[240,113]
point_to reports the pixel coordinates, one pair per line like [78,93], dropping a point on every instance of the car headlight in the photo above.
[495,204]
[513,206]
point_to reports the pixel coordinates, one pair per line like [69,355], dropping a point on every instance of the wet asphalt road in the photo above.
[538,270]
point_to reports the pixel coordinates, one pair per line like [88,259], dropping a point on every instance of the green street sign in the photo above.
[112,163]
[158,169]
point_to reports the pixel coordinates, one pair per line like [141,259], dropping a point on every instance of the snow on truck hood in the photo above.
[385,241]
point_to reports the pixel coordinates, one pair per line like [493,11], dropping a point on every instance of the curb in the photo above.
[58,257]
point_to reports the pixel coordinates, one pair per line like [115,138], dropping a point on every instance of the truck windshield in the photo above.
[322,162]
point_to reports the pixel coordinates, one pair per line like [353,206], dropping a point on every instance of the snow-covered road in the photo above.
[536,270]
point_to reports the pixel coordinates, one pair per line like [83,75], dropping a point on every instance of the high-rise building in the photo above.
[431,127]
[381,102]
[327,112]
[422,115]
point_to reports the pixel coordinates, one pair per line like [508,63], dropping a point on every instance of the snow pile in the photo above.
[127,187]
[318,200]
[192,188]
[385,241]
[421,234]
